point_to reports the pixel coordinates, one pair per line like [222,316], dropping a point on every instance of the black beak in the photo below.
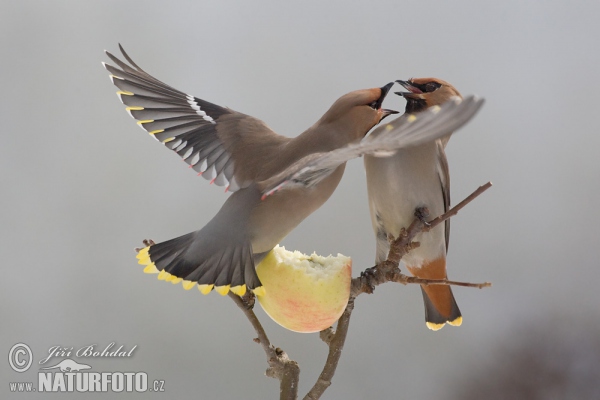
[409,95]
[387,113]
[376,105]
[413,91]
[410,87]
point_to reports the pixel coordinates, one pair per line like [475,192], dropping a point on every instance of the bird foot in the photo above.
[422,213]
[249,299]
[147,242]
[368,275]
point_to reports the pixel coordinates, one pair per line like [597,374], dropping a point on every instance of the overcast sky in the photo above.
[82,186]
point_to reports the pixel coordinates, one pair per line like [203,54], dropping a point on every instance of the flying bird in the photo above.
[262,169]
[413,178]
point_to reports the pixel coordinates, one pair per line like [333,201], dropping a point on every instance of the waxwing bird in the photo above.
[412,178]
[260,167]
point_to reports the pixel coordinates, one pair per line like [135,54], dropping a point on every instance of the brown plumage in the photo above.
[238,151]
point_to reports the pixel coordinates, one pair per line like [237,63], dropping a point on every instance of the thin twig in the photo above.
[454,210]
[427,282]
[336,345]
[280,366]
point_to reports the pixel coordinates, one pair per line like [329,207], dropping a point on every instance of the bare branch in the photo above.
[280,365]
[454,210]
[336,345]
[426,282]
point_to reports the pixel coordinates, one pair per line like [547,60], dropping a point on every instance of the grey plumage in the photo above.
[417,176]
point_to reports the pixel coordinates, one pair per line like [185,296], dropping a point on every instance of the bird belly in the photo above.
[399,184]
[280,213]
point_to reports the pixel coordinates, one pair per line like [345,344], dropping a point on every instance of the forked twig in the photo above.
[280,366]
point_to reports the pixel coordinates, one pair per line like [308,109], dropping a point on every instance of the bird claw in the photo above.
[369,274]
[146,242]
[422,213]
[249,300]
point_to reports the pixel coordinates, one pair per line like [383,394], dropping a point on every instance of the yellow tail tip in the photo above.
[163,275]
[176,280]
[143,253]
[205,289]
[151,269]
[222,290]
[456,322]
[433,326]
[259,291]
[144,260]
[187,285]
[240,290]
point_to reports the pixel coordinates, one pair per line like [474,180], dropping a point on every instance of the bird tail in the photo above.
[198,259]
[440,305]
[218,256]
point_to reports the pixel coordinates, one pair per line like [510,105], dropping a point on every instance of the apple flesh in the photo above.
[304,293]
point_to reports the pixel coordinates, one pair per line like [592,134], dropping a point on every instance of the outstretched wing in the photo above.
[412,131]
[207,136]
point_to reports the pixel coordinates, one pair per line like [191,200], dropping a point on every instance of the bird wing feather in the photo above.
[208,137]
[411,131]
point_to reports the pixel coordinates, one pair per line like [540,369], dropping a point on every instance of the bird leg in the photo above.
[146,242]
[249,299]
[422,213]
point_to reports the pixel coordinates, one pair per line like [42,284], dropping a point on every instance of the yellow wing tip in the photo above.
[456,322]
[433,326]
[151,269]
[156,131]
[259,291]
[222,290]
[240,290]
[205,289]
[411,118]
[134,108]
[145,121]
[124,92]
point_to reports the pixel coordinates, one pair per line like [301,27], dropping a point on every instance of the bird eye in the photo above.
[431,86]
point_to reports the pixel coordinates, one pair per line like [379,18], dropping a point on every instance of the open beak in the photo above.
[413,91]
[376,105]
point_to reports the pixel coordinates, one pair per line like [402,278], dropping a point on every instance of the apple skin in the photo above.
[304,293]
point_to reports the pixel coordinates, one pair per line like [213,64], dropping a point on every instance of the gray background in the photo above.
[82,185]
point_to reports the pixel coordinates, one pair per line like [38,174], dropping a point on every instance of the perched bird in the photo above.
[412,178]
[242,153]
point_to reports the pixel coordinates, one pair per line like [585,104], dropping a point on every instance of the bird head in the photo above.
[355,113]
[426,92]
